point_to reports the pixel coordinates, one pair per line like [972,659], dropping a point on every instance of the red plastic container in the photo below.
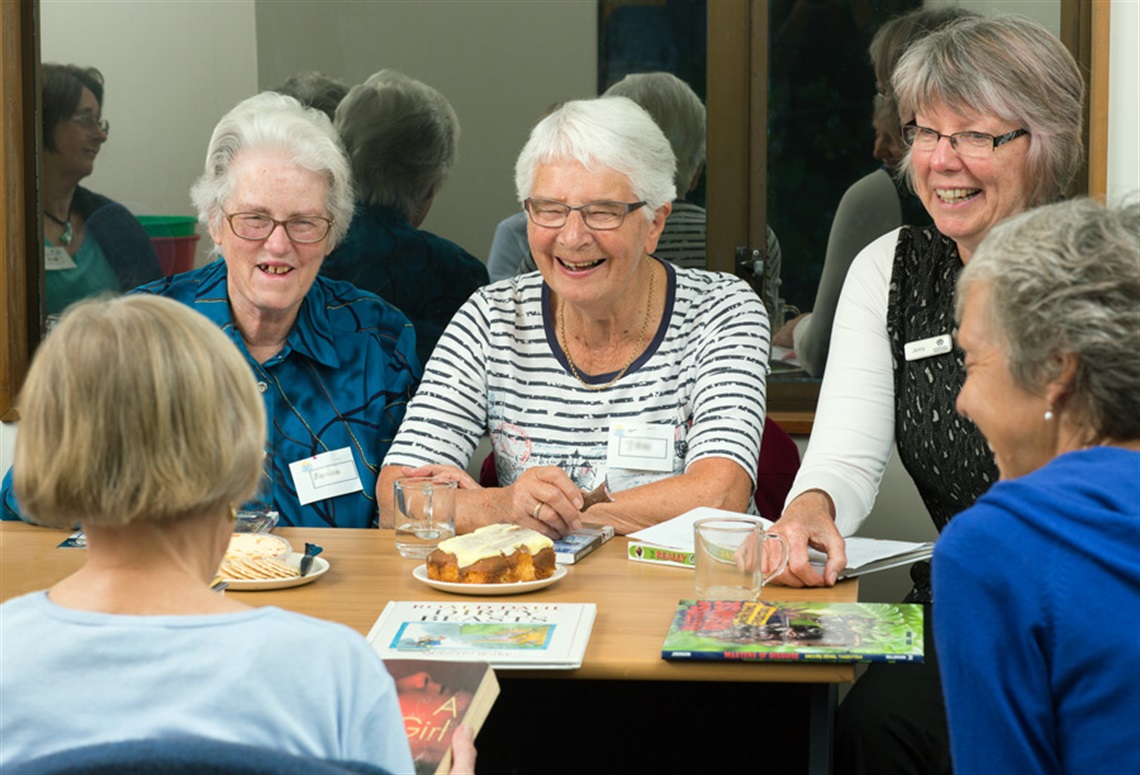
[175,254]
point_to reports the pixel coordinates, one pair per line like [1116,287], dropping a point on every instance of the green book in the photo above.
[756,631]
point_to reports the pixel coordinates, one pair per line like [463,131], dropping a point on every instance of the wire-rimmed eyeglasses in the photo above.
[972,144]
[600,216]
[89,123]
[258,226]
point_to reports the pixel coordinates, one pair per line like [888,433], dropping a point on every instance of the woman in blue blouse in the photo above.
[335,365]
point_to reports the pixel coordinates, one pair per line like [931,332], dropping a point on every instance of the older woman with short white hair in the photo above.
[335,365]
[603,342]
[1038,584]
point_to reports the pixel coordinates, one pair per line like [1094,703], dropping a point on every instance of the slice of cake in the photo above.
[495,554]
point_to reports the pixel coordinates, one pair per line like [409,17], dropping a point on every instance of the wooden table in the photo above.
[635,606]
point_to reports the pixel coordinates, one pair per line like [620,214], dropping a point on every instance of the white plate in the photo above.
[320,565]
[514,588]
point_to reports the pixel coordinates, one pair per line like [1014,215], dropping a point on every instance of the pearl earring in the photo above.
[1048,415]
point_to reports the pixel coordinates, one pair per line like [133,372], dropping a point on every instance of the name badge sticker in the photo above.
[326,475]
[641,447]
[927,348]
[57,259]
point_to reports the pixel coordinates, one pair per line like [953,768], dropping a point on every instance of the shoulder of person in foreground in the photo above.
[1008,579]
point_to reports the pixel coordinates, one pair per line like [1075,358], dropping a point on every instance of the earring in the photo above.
[1048,415]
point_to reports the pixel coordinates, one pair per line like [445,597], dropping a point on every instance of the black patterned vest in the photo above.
[942,451]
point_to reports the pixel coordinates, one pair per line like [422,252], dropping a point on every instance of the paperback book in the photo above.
[573,547]
[671,543]
[530,636]
[757,631]
[435,698]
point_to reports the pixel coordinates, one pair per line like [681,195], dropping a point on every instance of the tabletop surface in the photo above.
[635,600]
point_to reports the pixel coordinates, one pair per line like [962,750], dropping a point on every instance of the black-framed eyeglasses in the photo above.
[600,216]
[972,144]
[89,123]
[258,226]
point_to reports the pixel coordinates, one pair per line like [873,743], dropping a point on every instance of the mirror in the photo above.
[202,57]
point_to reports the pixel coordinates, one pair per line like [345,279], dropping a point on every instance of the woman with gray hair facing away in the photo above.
[991,111]
[602,342]
[142,421]
[1038,584]
[402,137]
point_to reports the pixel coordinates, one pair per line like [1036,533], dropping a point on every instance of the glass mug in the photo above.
[730,555]
[425,514]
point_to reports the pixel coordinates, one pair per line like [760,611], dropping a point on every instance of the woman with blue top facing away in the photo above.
[142,422]
[335,365]
[1038,584]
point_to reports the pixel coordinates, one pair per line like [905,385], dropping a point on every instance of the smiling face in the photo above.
[76,147]
[1011,418]
[587,268]
[269,278]
[968,197]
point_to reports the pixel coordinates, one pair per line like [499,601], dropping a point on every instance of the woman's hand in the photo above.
[543,499]
[784,335]
[462,479]
[462,751]
[809,520]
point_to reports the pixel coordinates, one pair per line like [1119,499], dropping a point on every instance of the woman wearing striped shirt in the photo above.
[607,370]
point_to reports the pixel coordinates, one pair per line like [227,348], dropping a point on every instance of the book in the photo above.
[570,548]
[435,698]
[660,555]
[755,631]
[530,636]
[671,543]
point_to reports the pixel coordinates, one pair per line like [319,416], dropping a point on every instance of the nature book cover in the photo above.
[789,631]
[507,635]
[435,698]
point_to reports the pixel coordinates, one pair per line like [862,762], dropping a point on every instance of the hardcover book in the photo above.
[507,635]
[787,631]
[435,698]
[573,547]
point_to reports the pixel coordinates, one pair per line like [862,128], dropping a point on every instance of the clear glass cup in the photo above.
[731,558]
[425,514]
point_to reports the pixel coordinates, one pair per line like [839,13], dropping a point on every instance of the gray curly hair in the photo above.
[1065,278]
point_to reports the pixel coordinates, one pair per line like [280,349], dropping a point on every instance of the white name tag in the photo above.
[57,258]
[641,447]
[926,348]
[325,476]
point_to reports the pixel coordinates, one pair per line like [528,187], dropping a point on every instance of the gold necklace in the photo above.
[632,356]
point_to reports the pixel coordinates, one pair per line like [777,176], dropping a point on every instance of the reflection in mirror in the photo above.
[173,68]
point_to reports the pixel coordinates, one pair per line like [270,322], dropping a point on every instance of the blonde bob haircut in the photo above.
[136,408]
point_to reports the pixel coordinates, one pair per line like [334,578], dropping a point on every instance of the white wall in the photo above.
[1123,99]
[500,63]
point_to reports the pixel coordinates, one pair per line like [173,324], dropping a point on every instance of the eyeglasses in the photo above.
[600,216]
[89,123]
[971,144]
[257,227]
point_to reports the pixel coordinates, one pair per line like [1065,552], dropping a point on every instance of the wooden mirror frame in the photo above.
[1084,29]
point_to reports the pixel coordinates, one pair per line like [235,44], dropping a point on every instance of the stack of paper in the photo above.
[671,543]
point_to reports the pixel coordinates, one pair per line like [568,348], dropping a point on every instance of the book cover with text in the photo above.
[788,631]
[435,698]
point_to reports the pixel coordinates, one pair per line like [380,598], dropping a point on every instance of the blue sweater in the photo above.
[1037,620]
